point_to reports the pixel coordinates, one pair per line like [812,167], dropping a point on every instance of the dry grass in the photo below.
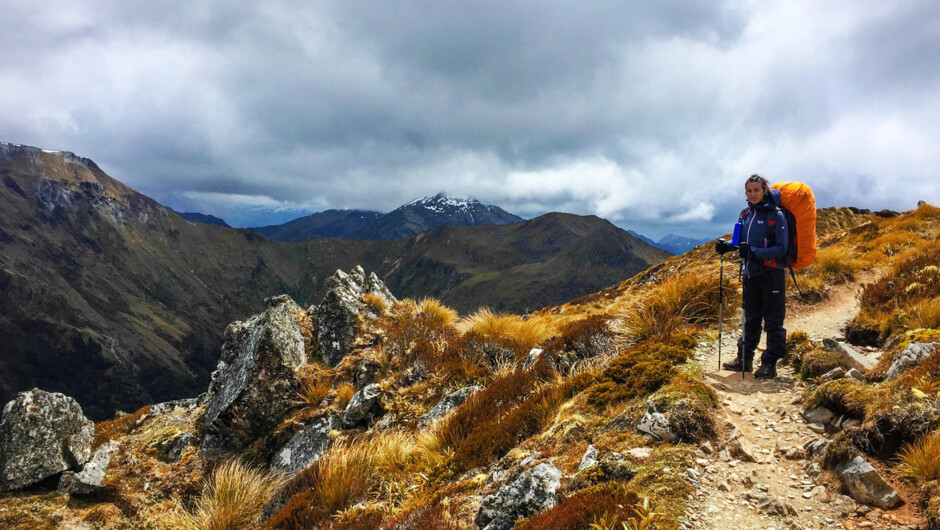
[439,312]
[108,430]
[925,314]
[232,498]
[522,334]
[344,393]
[836,264]
[313,389]
[921,459]
[376,302]
[681,300]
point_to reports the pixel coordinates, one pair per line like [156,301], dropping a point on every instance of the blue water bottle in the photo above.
[736,235]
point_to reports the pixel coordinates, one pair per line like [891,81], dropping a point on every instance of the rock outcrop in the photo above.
[338,315]
[655,424]
[363,405]
[850,357]
[305,447]
[529,494]
[91,478]
[254,384]
[912,355]
[41,434]
[445,405]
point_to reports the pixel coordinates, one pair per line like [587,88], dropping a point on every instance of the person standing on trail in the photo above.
[763,250]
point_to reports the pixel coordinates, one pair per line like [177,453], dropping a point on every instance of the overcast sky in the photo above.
[650,114]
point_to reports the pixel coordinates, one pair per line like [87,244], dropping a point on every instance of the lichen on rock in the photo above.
[41,434]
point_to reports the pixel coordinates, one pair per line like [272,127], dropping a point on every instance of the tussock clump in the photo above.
[638,371]
[314,387]
[797,345]
[835,264]
[921,459]
[232,498]
[579,340]
[375,302]
[344,393]
[108,430]
[518,334]
[436,311]
[681,300]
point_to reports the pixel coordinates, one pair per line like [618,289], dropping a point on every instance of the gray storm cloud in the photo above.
[647,113]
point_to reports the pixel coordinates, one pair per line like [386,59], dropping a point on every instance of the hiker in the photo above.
[763,251]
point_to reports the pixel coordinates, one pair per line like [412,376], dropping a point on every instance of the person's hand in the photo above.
[723,247]
[744,251]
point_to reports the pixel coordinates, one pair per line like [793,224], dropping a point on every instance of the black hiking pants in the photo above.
[764,300]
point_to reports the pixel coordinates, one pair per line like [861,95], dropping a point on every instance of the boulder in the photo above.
[91,478]
[589,458]
[450,402]
[865,484]
[850,357]
[818,415]
[338,315]
[305,447]
[362,406]
[254,384]
[912,355]
[41,434]
[524,497]
[655,424]
[836,373]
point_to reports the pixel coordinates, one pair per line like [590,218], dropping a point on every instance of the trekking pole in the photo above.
[743,350]
[721,278]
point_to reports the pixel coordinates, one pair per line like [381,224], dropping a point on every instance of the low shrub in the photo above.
[108,430]
[638,371]
[232,498]
[611,502]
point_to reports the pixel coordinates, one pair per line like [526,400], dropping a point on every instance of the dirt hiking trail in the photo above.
[757,475]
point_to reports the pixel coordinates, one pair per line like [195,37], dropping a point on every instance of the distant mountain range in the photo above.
[112,298]
[672,243]
[412,218]
[203,218]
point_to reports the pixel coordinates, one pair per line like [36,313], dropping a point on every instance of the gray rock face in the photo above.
[656,425]
[450,402]
[529,494]
[305,447]
[850,357]
[41,434]
[339,312]
[911,357]
[362,405]
[866,485]
[836,373]
[90,478]
[254,383]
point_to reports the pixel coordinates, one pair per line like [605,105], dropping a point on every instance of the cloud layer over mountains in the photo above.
[641,112]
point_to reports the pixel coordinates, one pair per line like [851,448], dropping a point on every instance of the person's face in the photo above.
[754,192]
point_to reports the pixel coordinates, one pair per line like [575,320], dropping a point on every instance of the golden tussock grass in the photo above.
[523,334]
[439,312]
[836,264]
[925,314]
[921,459]
[344,393]
[232,498]
[375,301]
[313,389]
[679,301]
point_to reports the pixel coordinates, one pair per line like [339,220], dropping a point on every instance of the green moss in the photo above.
[688,403]
[662,479]
[817,361]
[843,396]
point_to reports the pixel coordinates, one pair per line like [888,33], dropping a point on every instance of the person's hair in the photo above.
[764,183]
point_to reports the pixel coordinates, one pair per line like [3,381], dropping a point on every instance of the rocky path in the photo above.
[758,475]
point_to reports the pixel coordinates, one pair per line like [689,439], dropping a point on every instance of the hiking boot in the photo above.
[766,371]
[735,365]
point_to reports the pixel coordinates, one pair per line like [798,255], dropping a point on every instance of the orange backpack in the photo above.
[799,206]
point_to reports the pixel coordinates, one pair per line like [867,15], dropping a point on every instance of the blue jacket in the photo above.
[764,229]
